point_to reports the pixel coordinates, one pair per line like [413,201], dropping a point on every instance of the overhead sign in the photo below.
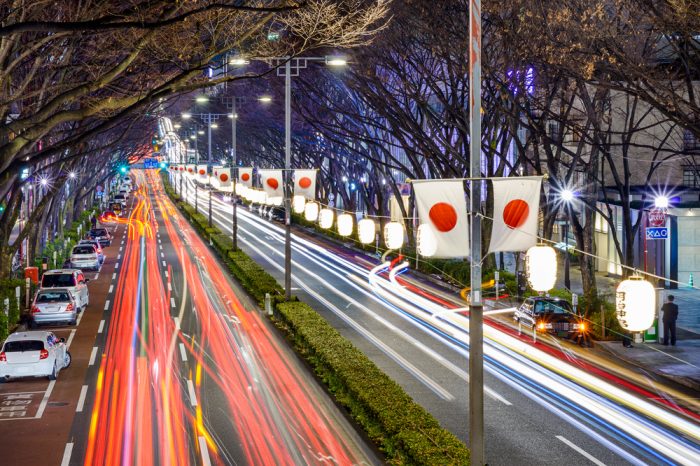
[657,217]
[657,233]
[150,163]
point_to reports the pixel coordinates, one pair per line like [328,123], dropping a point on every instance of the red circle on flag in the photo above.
[305,182]
[223,177]
[515,213]
[273,183]
[189,170]
[182,169]
[443,216]
[202,172]
[245,176]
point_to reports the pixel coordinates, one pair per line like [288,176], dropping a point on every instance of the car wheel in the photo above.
[67,360]
[52,375]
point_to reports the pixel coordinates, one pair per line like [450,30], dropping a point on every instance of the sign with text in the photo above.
[657,218]
[657,233]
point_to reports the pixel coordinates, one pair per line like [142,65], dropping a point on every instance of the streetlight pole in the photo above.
[476,318]
[234,162]
[287,180]
[196,167]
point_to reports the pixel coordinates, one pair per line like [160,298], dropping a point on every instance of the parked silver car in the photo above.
[84,256]
[54,305]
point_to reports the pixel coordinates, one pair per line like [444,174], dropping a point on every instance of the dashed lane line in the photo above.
[67,452]
[206,461]
[580,450]
[111,288]
[190,390]
[81,399]
[106,305]
[114,276]
[183,353]
[45,400]
[93,355]
[101,327]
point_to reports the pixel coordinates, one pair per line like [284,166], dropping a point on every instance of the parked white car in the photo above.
[70,279]
[54,305]
[98,248]
[84,256]
[33,354]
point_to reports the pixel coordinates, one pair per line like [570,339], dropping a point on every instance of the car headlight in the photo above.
[548,325]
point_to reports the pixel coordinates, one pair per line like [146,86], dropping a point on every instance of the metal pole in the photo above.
[234,163]
[196,167]
[476,318]
[567,278]
[287,179]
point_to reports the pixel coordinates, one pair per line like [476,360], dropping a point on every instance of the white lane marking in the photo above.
[206,461]
[580,450]
[106,305]
[116,266]
[177,322]
[114,276]
[101,327]
[97,275]
[119,256]
[166,274]
[93,355]
[81,399]
[172,302]
[120,248]
[70,338]
[80,317]
[45,400]
[162,255]
[170,288]
[164,264]
[111,288]
[160,246]
[183,353]
[193,395]
[67,452]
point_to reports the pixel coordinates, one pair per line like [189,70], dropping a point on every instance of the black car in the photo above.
[550,315]
[275,213]
[101,235]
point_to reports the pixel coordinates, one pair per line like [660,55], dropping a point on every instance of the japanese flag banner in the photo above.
[191,169]
[442,210]
[515,213]
[305,183]
[223,176]
[202,175]
[272,183]
[245,176]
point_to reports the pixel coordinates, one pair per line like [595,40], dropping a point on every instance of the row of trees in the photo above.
[82,82]
[596,94]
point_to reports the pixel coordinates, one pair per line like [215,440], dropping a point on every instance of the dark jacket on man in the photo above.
[670,312]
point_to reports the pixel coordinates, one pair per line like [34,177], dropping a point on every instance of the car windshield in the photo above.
[57,280]
[84,249]
[98,232]
[52,297]
[23,345]
[552,307]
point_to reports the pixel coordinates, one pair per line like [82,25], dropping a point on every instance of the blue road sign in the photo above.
[657,233]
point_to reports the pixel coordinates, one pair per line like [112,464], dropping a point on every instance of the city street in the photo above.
[429,359]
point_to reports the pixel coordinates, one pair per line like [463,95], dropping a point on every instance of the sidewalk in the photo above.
[680,363]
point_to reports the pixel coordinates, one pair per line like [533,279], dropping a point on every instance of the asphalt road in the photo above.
[526,422]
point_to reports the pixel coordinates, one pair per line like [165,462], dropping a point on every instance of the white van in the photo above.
[71,279]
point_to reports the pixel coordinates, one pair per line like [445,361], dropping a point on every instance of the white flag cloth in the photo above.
[305,183]
[223,175]
[272,183]
[245,176]
[202,173]
[516,208]
[441,206]
[190,170]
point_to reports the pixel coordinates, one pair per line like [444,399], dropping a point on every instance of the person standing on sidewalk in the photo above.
[670,310]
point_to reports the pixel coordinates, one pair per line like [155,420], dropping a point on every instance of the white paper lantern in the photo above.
[345,224]
[298,203]
[366,230]
[325,218]
[393,235]
[311,211]
[635,304]
[541,267]
[426,240]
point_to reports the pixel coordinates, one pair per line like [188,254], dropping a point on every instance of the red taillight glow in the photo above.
[3,357]
[70,307]
[35,309]
[43,354]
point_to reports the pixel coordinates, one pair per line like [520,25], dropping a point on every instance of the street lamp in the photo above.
[266,99]
[661,202]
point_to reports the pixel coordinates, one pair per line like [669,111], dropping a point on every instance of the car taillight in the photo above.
[43,354]
[3,357]
[35,309]
[70,307]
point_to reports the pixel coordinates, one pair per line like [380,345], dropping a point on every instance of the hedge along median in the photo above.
[401,428]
